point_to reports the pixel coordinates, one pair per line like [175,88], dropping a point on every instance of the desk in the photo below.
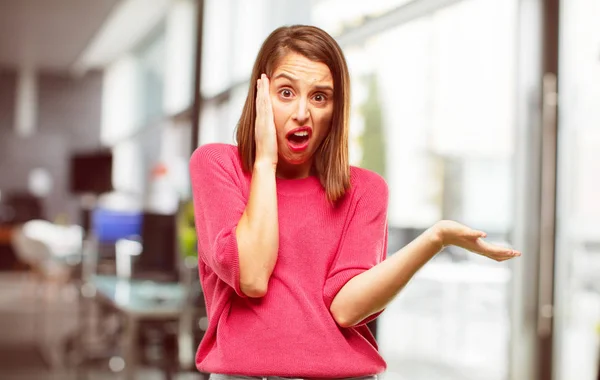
[139,300]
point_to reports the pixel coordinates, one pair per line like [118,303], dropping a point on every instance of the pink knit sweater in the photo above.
[290,332]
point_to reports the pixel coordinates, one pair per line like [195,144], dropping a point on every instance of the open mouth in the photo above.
[299,138]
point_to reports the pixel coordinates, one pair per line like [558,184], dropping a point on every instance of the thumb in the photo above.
[477,234]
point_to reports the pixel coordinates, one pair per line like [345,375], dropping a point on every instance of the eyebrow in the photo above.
[293,79]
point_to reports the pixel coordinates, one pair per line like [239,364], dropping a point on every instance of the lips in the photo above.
[298,138]
[306,130]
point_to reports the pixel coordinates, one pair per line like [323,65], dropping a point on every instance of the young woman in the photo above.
[292,239]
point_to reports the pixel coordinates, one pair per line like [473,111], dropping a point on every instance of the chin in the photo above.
[295,160]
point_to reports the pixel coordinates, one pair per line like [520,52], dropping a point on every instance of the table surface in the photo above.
[142,298]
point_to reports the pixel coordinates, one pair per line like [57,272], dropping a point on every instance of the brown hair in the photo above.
[331,158]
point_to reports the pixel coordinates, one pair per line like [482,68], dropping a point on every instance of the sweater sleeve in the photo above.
[364,241]
[218,206]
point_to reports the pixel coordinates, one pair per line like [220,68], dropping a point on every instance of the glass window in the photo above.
[120,103]
[433,113]
[349,14]
[219,118]
[180,56]
[217,53]
[151,58]
[251,28]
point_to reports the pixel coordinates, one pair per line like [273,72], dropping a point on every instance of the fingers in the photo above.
[502,254]
[507,255]
[495,252]
[264,128]
[259,94]
[267,96]
[263,99]
[472,240]
[265,85]
[262,85]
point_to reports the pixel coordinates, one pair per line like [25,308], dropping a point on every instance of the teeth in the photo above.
[301,134]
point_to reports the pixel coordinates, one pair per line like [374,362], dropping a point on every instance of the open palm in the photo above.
[454,233]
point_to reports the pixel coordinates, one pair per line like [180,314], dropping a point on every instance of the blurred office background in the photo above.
[482,111]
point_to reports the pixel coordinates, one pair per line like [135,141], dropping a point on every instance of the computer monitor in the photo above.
[91,172]
[159,258]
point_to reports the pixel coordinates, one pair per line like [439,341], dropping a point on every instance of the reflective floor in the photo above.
[452,330]
[19,357]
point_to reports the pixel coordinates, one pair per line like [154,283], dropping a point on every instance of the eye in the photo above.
[286,93]
[320,98]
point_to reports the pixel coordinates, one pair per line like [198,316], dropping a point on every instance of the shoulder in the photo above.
[215,155]
[368,189]
[368,195]
[365,182]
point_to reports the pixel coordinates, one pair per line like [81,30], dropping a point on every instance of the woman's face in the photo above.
[302,98]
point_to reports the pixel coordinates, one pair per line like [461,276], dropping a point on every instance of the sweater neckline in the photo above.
[298,186]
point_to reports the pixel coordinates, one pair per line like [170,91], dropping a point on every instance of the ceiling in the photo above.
[49,34]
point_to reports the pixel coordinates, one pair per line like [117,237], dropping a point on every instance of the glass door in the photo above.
[577,283]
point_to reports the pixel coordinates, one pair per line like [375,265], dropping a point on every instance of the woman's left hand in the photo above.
[453,233]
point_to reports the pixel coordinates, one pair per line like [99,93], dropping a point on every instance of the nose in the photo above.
[302,113]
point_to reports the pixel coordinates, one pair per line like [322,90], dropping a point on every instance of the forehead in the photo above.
[302,68]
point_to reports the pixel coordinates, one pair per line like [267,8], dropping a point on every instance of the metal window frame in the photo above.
[394,18]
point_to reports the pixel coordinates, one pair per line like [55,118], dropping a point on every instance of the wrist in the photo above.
[264,164]
[436,236]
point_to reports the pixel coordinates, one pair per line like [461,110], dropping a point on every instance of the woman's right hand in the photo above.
[264,127]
